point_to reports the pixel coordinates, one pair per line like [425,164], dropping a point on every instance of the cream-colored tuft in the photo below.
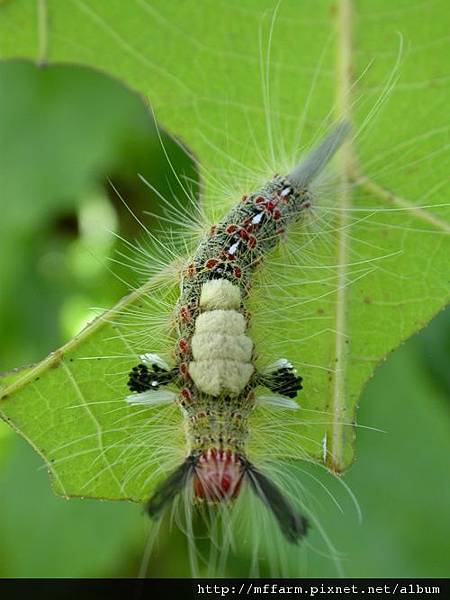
[220,321]
[220,293]
[218,376]
[219,345]
[221,350]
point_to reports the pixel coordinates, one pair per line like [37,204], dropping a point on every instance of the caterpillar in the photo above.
[213,378]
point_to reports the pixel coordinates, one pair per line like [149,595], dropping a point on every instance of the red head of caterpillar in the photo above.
[214,358]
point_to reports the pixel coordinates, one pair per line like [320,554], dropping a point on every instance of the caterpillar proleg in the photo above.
[213,371]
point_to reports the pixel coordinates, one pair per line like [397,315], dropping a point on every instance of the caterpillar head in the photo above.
[217,475]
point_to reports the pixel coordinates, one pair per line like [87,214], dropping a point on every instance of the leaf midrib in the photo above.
[334,441]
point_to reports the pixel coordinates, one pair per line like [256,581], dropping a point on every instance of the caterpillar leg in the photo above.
[281,377]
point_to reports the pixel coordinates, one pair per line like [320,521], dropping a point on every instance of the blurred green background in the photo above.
[65,133]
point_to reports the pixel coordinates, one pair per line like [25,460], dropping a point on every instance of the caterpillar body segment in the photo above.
[214,367]
[221,351]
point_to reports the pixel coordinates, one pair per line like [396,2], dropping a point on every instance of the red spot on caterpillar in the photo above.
[185,314]
[276,214]
[270,206]
[190,270]
[237,272]
[183,368]
[259,200]
[231,228]
[307,204]
[251,241]
[243,234]
[280,231]
[211,263]
[247,227]
[186,396]
[217,476]
[182,345]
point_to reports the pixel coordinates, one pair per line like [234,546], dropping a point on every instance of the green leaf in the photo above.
[238,82]
[81,538]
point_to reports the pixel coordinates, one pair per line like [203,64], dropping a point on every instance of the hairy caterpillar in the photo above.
[214,359]
[119,454]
